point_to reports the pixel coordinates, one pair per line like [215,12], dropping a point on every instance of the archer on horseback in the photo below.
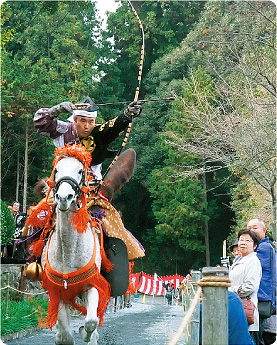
[96,139]
[83,130]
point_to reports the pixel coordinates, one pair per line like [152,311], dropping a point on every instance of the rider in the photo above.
[94,137]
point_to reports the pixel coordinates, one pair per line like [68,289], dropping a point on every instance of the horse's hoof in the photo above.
[64,339]
[85,336]
[87,330]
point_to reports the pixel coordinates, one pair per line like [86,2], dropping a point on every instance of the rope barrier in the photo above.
[207,281]
[214,281]
[186,319]
[26,293]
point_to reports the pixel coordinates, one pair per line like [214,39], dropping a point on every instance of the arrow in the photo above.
[139,101]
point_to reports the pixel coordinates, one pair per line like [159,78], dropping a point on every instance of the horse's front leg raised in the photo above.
[63,335]
[89,332]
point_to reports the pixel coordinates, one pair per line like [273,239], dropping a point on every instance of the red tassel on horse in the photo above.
[81,217]
[37,247]
[40,215]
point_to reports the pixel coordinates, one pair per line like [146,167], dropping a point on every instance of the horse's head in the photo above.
[69,179]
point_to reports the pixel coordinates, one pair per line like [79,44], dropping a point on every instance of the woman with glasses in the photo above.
[245,274]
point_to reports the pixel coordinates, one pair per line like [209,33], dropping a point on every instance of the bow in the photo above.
[135,98]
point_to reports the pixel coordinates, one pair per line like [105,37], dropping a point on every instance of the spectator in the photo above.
[269,330]
[267,257]
[245,274]
[19,219]
[235,250]
[238,333]
[237,322]
[169,291]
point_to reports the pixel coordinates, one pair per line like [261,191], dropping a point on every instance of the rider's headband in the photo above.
[84,113]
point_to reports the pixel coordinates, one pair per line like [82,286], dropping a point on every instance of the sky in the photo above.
[106,5]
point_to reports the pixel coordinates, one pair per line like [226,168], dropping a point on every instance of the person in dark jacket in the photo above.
[238,333]
[267,257]
[19,247]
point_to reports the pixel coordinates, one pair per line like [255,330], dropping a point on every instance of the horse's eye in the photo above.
[80,171]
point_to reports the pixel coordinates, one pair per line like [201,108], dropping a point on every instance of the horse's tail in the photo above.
[120,173]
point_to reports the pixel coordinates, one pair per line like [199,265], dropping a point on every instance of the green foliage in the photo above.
[20,315]
[7,224]
[209,71]
[50,58]
[216,57]
[178,206]
[165,23]
[6,34]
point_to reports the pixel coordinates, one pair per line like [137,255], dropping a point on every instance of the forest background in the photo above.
[206,163]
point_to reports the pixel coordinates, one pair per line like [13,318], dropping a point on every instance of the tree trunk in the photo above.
[25,185]
[207,243]
[17,179]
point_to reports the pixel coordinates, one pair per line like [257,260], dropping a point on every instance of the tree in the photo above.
[178,206]
[7,224]
[49,58]
[242,102]
[165,25]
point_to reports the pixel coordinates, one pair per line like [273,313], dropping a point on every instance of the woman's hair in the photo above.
[251,233]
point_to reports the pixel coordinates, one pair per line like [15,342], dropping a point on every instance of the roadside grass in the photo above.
[20,314]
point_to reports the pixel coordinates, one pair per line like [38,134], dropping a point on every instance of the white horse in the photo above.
[70,250]
[71,259]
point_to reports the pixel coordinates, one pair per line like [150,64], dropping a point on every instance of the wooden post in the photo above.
[195,320]
[215,309]
[7,295]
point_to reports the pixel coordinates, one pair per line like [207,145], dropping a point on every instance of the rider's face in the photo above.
[84,125]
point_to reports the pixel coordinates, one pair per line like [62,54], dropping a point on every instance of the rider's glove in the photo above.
[64,107]
[134,109]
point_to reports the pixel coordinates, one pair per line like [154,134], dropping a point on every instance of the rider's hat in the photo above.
[86,108]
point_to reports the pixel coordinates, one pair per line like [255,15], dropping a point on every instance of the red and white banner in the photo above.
[150,285]
[153,285]
[176,279]
[135,279]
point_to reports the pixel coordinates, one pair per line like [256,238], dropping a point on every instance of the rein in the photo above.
[70,180]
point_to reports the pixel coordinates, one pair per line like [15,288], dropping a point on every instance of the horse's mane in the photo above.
[119,174]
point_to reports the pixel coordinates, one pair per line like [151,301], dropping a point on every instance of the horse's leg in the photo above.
[63,335]
[89,332]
